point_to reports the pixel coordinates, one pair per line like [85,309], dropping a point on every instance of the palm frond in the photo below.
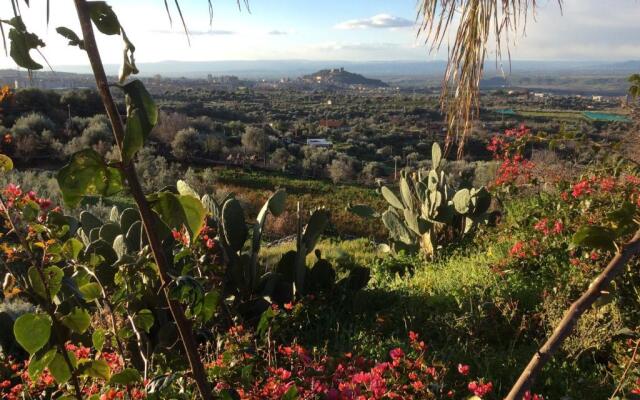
[184,24]
[477,20]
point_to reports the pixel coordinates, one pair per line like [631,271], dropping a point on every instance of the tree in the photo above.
[281,158]
[32,134]
[187,144]
[169,123]
[342,169]
[255,140]
[373,170]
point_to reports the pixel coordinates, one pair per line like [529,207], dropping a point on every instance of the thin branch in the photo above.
[626,370]
[577,309]
[146,214]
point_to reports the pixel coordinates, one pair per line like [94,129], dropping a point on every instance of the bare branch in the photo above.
[577,309]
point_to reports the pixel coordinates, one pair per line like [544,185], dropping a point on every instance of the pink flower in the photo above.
[396,353]
[581,188]
[464,369]
[558,227]
[518,250]
[480,389]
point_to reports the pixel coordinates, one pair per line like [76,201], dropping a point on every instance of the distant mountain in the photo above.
[340,77]
[385,70]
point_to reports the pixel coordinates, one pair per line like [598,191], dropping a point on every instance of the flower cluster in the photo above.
[16,383]
[508,149]
[14,196]
[406,374]
[546,228]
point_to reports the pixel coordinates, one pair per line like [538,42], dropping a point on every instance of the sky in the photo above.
[350,30]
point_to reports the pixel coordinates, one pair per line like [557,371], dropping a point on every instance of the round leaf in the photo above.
[32,331]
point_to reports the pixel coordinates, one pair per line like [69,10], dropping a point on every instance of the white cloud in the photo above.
[212,32]
[277,32]
[379,21]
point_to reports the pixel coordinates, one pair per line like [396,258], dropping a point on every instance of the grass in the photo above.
[465,311]
[254,188]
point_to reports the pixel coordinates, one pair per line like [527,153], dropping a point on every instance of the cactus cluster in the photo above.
[253,285]
[428,212]
[117,241]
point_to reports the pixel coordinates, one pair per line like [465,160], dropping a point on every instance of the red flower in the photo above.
[480,389]
[558,227]
[581,188]
[518,250]
[396,353]
[464,369]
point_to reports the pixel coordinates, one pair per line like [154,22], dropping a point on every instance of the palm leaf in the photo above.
[478,20]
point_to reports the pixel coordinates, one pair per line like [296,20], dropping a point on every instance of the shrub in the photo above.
[188,143]
[255,141]
[96,135]
[169,124]
[342,169]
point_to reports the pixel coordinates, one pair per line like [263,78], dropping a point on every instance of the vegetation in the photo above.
[145,267]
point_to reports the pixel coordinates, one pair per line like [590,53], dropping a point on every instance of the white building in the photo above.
[319,143]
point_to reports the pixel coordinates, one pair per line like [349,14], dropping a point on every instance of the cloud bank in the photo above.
[380,21]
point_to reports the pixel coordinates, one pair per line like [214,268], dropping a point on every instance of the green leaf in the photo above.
[144,320]
[32,331]
[436,155]
[318,222]
[277,202]
[98,338]
[211,301]
[103,17]
[596,237]
[178,211]
[233,224]
[21,43]
[53,279]
[142,116]
[292,394]
[87,174]
[6,164]
[78,320]
[125,377]
[462,201]
[186,190]
[405,193]
[396,227]
[96,369]
[265,320]
[362,210]
[391,198]
[67,33]
[31,211]
[72,248]
[194,214]
[39,362]
[59,369]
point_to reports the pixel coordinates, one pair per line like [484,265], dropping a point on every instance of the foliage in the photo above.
[429,214]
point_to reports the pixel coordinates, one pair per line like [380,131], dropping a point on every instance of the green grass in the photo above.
[463,309]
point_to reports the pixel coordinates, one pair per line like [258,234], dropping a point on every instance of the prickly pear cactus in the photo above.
[428,211]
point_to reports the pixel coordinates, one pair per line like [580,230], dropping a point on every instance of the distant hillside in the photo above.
[340,77]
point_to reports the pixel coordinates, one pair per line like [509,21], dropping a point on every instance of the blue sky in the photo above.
[358,30]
